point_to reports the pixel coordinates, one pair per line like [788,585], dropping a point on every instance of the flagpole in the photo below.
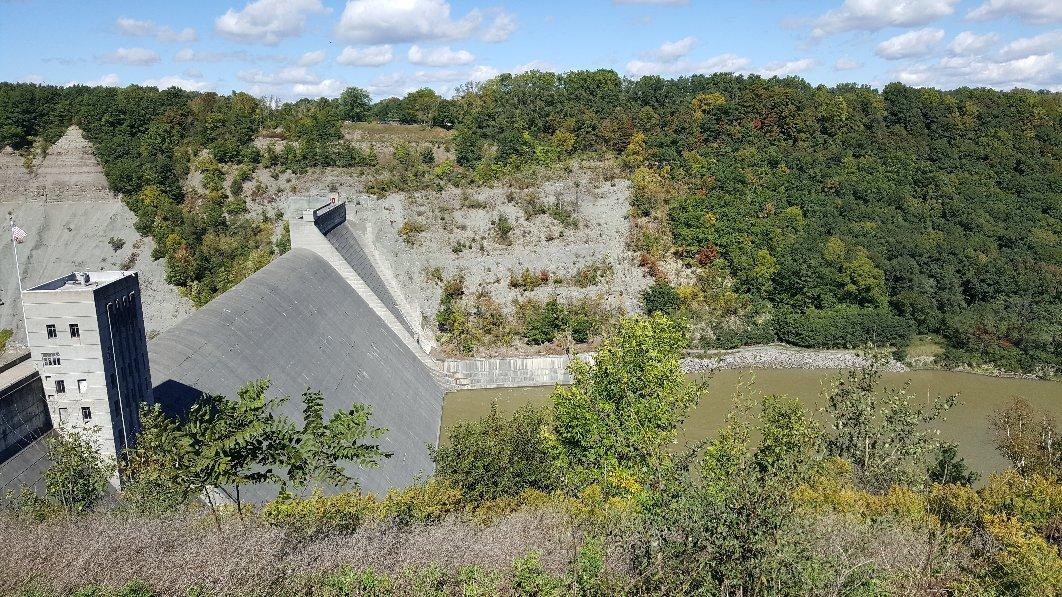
[18,276]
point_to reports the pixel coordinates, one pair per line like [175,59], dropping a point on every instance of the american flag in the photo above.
[18,235]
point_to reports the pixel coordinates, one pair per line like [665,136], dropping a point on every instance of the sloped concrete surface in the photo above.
[297,322]
[344,239]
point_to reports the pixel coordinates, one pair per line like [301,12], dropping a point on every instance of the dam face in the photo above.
[298,323]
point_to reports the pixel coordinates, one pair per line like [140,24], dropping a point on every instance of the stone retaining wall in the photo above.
[509,372]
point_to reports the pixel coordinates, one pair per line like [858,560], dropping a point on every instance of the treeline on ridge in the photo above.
[840,215]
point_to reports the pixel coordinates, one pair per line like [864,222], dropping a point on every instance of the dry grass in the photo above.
[173,555]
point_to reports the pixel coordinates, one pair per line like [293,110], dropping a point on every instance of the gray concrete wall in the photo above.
[509,372]
[23,410]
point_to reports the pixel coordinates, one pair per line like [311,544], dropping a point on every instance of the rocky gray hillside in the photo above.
[71,217]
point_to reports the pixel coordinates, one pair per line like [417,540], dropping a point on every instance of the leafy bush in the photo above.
[493,457]
[843,327]
[661,297]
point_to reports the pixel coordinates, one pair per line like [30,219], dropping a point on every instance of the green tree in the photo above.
[77,478]
[881,430]
[355,104]
[494,457]
[159,469]
[661,297]
[620,415]
[1027,437]
[314,455]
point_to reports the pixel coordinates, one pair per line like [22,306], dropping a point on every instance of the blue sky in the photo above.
[299,48]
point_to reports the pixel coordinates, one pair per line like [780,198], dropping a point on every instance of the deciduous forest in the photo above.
[818,216]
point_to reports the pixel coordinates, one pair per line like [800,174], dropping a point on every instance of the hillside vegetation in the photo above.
[591,496]
[765,208]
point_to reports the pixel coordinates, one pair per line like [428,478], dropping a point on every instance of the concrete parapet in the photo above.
[510,372]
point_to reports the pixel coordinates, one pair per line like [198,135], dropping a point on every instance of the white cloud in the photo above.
[908,45]
[399,21]
[503,25]
[483,73]
[1040,71]
[370,56]
[721,63]
[673,50]
[285,76]
[440,56]
[267,21]
[137,28]
[326,88]
[873,15]
[443,81]
[190,55]
[31,78]
[186,83]
[969,42]
[312,58]
[133,56]
[1039,12]
[845,63]
[781,69]
[659,2]
[1028,46]
[110,80]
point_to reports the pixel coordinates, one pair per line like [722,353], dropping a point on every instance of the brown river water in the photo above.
[966,424]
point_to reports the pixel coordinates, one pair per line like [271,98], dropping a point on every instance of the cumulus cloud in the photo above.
[185,83]
[908,45]
[109,80]
[1037,71]
[1044,43]
[285,76]
[874,15]
[673,50]
[720,63]
[137,28]
[503,25]
[1039,12]
[968,42]
[440,56]
[133,56]
[312,58]
[781,69]
[370,56]
[845,63]
[443,81]
[267,21]
[388,21]
[325,88]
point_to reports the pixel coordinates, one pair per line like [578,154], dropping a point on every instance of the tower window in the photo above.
[51,331]
[63,416]
[51,359]
[60,386]
[82,386]
[75,331]
[86,413]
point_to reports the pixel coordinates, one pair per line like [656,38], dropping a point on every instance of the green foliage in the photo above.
[491,458]
[881,431]
[5,337]
[736,530]
[620,415]
[76,479]
[937,207]
[843,326]
[1028,438]
[661,297]
[950,468]
[355,104]
[314,453]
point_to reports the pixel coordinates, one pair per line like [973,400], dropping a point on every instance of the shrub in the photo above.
[844,326]
[661,297]
[116,243]
[494,457]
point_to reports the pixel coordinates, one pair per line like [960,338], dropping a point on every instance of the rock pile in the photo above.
[782,357]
